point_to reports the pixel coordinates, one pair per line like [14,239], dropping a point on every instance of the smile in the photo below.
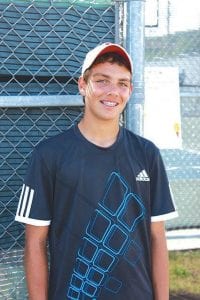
[109,103]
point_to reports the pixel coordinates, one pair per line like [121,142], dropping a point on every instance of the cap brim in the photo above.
[102,49]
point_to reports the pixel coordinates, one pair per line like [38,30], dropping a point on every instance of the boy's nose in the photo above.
[113,88]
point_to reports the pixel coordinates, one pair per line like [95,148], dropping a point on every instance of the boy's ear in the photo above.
[132,88]
[81,86]
[130,92]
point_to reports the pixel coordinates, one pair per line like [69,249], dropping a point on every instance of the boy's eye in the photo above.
[102,82]
[106,83]
[123,84]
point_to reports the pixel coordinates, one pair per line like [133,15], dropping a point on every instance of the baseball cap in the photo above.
[102,49]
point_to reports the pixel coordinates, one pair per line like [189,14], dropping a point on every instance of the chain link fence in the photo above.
[173,43]
[41,50]
[44,42]
[42,47]
[21,130]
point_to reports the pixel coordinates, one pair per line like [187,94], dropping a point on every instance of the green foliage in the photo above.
[184,272]
[180,272]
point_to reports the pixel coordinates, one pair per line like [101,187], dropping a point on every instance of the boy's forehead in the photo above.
[107,69]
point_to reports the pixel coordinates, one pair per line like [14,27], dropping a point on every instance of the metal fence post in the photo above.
[134,42]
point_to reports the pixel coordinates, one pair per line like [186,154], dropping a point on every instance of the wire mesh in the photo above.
[42,47]
[43,43]
[173,43]
[21,130]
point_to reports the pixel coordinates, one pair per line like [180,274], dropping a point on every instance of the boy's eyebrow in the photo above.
[109,77]
[100,74]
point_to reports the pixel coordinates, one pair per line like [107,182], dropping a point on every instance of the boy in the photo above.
[100,194]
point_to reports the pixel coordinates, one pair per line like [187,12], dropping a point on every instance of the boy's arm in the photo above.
[160,264]
[36,262]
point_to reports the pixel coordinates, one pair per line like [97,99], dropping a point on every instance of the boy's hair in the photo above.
[111,57]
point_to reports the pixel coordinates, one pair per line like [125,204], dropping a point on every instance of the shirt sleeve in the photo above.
[36,194]
[162,204]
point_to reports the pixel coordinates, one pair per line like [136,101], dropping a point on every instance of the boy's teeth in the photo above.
[108,103]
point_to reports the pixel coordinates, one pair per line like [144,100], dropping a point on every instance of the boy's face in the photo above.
[106,91]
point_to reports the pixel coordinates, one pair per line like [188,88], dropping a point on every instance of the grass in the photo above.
[184,269]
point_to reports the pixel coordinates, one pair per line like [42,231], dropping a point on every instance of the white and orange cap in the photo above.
[102,49]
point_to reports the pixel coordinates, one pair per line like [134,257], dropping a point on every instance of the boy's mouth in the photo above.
[109,103]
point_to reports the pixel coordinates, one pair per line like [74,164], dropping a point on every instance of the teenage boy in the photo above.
[100,195]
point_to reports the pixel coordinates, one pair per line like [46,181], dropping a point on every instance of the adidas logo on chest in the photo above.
[142,176]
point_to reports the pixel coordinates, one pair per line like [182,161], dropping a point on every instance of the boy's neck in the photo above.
[103,135]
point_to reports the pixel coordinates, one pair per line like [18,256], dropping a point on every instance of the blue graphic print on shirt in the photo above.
[107,238]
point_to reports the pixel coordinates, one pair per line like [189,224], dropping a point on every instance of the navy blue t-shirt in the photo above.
[99,204]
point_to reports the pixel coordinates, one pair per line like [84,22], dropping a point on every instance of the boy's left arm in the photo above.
[160,263]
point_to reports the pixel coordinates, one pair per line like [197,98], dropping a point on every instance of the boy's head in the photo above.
[106,52]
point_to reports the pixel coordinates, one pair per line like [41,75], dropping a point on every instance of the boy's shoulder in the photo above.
[57,141]
[139,140]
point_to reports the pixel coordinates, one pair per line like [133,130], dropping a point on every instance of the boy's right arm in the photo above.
[36,262]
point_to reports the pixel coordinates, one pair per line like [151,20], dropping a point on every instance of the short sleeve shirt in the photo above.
[99,204]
